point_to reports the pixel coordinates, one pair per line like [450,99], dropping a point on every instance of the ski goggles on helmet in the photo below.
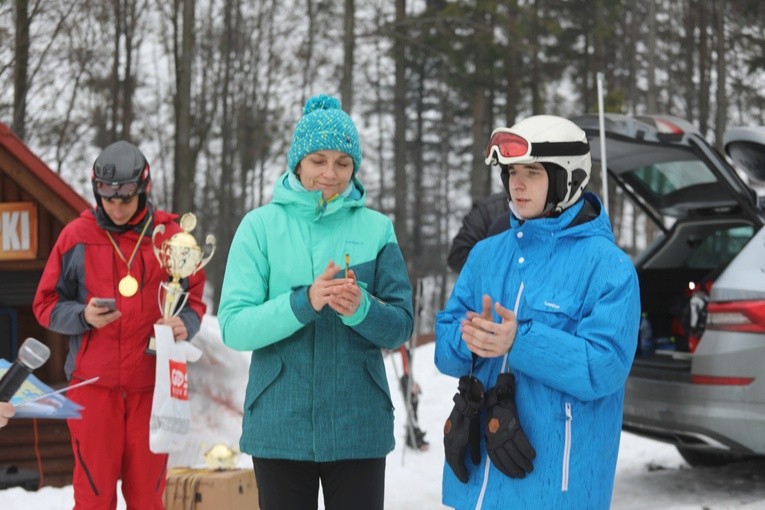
[123,191]
[508,148]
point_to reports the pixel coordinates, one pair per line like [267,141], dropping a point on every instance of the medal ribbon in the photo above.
[129,263]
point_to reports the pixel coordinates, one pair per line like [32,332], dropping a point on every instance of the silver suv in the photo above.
[698,379]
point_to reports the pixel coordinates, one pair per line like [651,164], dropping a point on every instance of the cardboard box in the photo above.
[206,489]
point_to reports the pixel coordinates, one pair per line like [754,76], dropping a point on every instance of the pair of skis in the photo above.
[415,436]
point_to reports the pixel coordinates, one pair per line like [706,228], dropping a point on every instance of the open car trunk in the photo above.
[676,280]
[698,379]
[705,214]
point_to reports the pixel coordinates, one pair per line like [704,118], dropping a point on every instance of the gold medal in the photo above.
[128,286]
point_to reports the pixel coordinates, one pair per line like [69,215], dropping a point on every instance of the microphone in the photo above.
[32,355]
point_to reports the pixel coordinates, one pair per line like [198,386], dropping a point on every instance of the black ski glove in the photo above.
[506,444]
[463,428]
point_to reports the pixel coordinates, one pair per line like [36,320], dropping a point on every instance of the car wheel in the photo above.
[699,458]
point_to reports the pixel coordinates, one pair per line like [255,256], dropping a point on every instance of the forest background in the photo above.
[211,89]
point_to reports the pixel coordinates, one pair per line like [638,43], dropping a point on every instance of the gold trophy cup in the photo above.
[181,257]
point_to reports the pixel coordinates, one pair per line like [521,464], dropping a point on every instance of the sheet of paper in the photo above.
[35,399]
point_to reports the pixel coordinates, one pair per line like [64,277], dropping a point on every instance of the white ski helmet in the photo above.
[559,144]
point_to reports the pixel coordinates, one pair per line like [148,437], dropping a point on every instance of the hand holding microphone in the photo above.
[32,355]
[6,411]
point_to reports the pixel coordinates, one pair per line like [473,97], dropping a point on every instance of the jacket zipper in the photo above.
[567,448]
[504,368]
[515,311]
[479,503]
[84,466]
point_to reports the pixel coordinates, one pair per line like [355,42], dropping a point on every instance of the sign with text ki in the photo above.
[18,231]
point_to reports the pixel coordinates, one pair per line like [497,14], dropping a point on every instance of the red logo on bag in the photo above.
[179,387]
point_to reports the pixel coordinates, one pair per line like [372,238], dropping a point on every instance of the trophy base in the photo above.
[151,347]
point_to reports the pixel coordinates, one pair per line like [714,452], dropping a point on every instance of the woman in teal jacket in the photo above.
[544,318]
[316,286]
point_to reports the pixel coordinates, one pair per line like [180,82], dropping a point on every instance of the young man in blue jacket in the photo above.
[541,329]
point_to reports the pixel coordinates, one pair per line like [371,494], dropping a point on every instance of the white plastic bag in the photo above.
[170,410]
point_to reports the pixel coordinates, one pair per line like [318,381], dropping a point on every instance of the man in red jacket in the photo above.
[107,253]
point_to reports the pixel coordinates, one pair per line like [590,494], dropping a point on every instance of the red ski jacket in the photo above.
[85,264]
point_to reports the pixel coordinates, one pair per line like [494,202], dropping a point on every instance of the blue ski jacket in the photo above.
[317,388]
[577,303]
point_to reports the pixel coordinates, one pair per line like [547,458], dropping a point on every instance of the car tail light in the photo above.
[721,381]
[743,316]
[665,126]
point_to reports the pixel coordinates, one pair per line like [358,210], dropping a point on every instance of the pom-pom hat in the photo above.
[324,126]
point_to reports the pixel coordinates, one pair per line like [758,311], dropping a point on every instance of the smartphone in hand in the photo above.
[109,303]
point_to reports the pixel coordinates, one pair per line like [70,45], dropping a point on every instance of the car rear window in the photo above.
[720,247]
[669,177]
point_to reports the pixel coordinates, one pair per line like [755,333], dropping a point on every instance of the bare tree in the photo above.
[184,160]
[689,51]
[78,34]
[535,82]
[721,96]
[20,83]
[632,35]
[129,19]
[399,144]
[380,108]
[227,184]
[349,44]
[220,95]
[704,59]
[120,86]
[651,105]
[308,48]
[480,182]
[512,62]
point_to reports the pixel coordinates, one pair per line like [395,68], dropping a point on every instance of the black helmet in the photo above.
[121,171]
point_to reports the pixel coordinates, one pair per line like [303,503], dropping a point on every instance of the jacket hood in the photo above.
[159,217]
[574,221]
[311,203]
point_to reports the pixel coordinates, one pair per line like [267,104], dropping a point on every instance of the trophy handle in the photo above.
[210,239]
[159,229]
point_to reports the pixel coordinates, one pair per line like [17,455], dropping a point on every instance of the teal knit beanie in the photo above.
[324,126]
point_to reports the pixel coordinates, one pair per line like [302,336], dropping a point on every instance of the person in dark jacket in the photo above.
[531,331]
[476,226]
[107,252]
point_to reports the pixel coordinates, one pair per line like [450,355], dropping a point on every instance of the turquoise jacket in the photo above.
[578,309]
[317,388]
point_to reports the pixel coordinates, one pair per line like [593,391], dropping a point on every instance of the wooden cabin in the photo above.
[35,204]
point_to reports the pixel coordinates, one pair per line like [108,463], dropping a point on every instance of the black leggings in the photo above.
[346,484]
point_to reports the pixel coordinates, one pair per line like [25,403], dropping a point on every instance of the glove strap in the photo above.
[472,392]
[503,390]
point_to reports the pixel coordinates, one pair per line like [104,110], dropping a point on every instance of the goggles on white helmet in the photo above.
[545,139]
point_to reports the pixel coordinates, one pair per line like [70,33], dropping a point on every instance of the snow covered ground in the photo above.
[650,475]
